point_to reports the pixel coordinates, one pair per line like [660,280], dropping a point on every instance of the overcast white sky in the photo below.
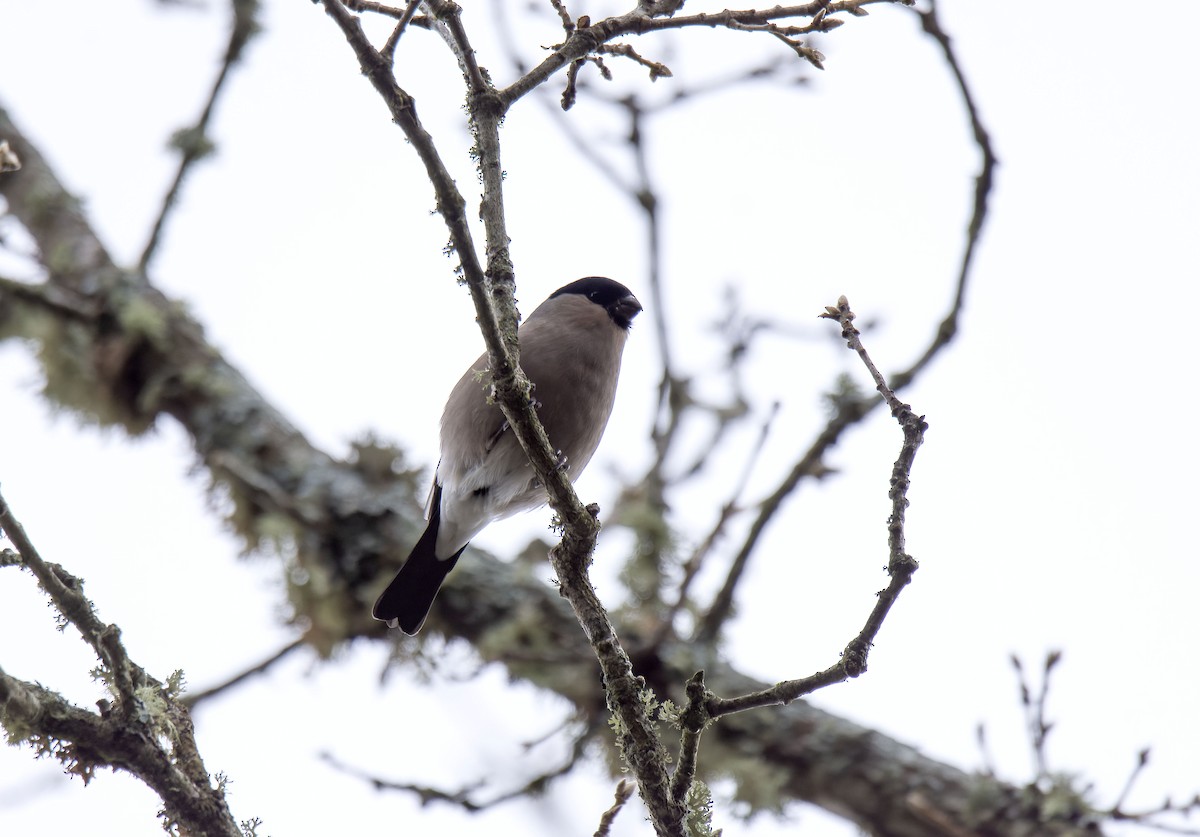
[1052,505]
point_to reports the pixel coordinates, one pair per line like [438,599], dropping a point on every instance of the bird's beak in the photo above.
[625,309]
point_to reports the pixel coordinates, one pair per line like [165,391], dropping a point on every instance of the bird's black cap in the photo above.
[613,297]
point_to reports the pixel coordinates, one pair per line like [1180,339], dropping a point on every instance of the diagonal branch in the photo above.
[494,298]
[192,698]
[389,48]
[465,797]
[119,352]
[694,563]
[193,143]
[144,730]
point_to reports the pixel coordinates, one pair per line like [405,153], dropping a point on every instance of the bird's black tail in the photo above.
[406,601]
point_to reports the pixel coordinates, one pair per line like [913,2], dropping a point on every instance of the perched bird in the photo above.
[571,351]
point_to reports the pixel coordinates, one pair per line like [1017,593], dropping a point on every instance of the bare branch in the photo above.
[1143,759]
[66,592]
[983,188]
[389,48]
[623,792]
[193,143]
[657,70]
[387,11]
[732,506]
[901,566]
[447,17]
[192,698]
[494,298]
[1037,727]
[692,722]
[560,9]
[811,464]
[144,730]
[450,202]
[584,40]
[1153,817]
[464,797]
[567,100]
[985,753]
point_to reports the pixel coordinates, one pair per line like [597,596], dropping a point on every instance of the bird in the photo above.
[571,347]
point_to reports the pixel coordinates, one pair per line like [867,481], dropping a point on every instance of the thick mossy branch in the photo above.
[116,351]
[144,730]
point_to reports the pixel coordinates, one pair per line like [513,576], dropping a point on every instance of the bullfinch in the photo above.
[571,351]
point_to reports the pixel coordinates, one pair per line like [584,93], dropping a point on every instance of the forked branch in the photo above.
[144,729]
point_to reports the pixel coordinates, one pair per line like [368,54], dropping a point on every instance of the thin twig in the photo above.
[979,212]
[450,202]
[645,196]
[447,17]
[560,9]
[1143,759]
[622,795]
[65,590]
[193,143]
[692,722]
[371,6]
[389,48]
[191,699]
[585,40]
[426,794]
[732,506]
[657,69]
[1036,724]
[1149,818]
[901,565]
[464,797]
[985,753]
[567,100]
[811,464]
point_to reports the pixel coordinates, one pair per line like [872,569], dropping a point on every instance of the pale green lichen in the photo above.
[139,317]
[698,820]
